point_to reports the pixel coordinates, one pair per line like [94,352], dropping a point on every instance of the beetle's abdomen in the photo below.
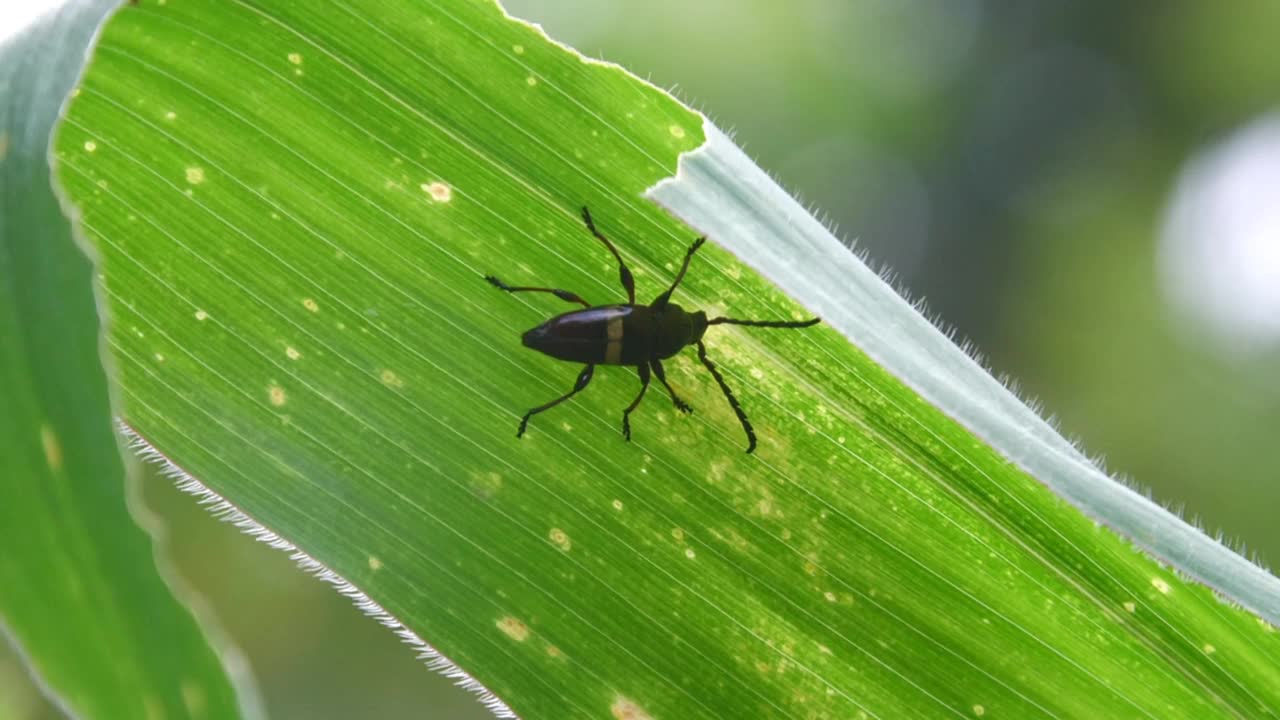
[607,335]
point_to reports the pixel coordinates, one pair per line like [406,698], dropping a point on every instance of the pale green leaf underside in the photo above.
[80,596]
[296,204]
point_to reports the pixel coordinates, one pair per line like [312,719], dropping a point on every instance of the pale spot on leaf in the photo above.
[486,485]
[295,58]
[52,448]
[310,304]
[624,708]
[1131,606]
[193,697]
[518,49]
[195,175]
[561,539]
[1160,585]
[374,563]
[276,395]
[90,146]
[292,353]
[390,379]
[513,629]
[979,710]
[676,131]
[531,80]
[438,191]
[202,315]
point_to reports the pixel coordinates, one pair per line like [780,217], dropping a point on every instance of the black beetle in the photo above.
[638,335]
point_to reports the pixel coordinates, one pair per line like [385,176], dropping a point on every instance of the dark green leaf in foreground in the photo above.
[296,204]
[79,592]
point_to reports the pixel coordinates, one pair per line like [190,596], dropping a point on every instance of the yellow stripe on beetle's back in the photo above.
[613,352]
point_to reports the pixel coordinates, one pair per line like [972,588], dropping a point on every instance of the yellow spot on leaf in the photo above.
[514,629]
[1131,606]
[194,698]
[624,708]
[518,49]
[1209,649]
[52,448]
[1160,585]
[617,505]
[171,115]
[152,707]
[90,146]
[374,563]
[438,191]
[292,353]
[531,80]
[689,553]
[486,485]
[277,396]
[979,710]
[310,304]
[202,315]
[390,379]
[195,175]
[295,58]
[561,539]
[676,131]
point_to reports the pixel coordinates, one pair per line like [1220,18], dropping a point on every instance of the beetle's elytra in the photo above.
[641,336]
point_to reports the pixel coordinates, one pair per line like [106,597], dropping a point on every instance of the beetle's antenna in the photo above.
[733,401]
[766,323]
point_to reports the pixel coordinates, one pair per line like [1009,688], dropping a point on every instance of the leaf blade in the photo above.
[335,364]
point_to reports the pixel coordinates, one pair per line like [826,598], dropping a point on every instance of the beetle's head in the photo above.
[536,338]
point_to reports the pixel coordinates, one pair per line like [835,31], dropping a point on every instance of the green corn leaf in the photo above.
[296,205]
[80,595]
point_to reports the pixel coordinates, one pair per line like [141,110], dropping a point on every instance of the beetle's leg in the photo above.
[766,323]
[661,301]
[733,401]
[644,385]
[584,377]
[658,370]
[562,294]
[628,282]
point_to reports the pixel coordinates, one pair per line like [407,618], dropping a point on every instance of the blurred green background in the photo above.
[1088,191]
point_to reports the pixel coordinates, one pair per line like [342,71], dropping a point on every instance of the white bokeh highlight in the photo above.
[1219,251]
